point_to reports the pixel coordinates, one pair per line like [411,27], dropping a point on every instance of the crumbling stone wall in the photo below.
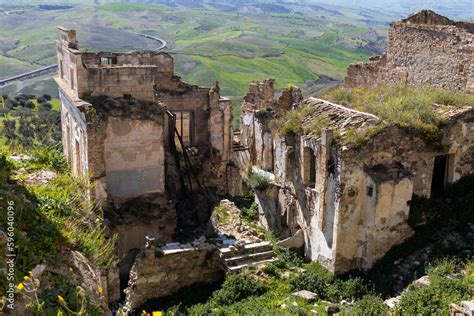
[160,272]
[120,119]
[356,205]
[458,137]
[144,76]
[423,49]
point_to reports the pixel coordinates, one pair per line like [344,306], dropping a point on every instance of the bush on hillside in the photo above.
[236,288]
[434,298]
[49,157]
[287,258]
[369,305]
[351,289]
[316,280]
[247,206]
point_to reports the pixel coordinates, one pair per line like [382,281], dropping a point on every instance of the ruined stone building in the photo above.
[423,49]
[350,203]
[126,119]
[159,150]
[347,204]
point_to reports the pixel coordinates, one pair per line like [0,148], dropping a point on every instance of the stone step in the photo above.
[257,256]
[237,268]
[239,148]
[248,248]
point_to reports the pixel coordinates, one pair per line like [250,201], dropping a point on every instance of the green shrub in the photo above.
[287,258]
[258,181]
[247,206]
[251,213]
[245,201]
[49,157]
[271,269]
[369,305]
[236,288]
[441,268]
[316,279]
[434,298]
[64,201]
[350,289]
[291,122]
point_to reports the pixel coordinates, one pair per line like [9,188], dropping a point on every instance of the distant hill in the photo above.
[455,9]
[233,41]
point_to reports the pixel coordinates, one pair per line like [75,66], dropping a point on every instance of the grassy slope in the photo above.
[231,47]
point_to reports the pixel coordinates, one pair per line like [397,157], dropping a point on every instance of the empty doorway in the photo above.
[441,173]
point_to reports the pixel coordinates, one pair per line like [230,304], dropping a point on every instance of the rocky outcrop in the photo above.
[226,219]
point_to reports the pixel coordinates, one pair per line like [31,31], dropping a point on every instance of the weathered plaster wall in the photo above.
[372,215]
[393,145]
[134,157]
[74,135]
[159,273]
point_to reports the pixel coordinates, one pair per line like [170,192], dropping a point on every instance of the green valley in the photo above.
[293,43]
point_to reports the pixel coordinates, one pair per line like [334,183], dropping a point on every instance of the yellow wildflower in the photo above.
[20,286]
[30,274]
[70,269]
[60,299]
[26,278]
[100,290]
[144,312]
[157,314]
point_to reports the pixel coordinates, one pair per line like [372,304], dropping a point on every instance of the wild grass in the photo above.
[222,214]
[406,107]
[258,181]
[52,217]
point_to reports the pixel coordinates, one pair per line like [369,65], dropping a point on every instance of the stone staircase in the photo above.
[236,258]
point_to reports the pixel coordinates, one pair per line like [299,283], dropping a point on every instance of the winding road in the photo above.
[44,70]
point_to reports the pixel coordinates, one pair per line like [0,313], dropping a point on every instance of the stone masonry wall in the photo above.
[425,49]
[458,139]
[134,73]
[159,273]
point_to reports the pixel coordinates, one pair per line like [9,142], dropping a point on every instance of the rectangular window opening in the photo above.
[108,60]
[183,126]
[61,70]
[370,191]
[309,166]
[72,79]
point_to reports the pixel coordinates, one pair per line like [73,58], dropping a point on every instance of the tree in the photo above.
[47,97]
[29,105]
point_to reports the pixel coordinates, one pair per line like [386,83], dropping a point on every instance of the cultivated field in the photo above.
[293,43]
